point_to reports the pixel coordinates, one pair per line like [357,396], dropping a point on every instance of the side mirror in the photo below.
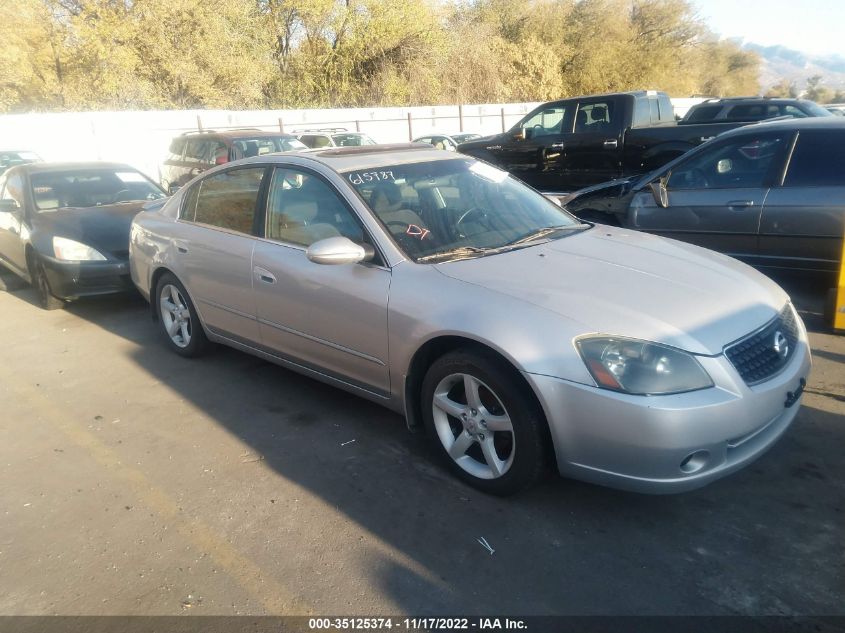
[660,193]
[8,206]
[339,250]
[521,135]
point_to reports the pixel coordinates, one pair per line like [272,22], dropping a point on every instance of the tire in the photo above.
[518,443]
[178,318]
[46,299]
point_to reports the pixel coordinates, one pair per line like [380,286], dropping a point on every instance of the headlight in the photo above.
[74,251]
[641,368]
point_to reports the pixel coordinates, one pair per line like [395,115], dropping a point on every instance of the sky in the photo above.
[809,26]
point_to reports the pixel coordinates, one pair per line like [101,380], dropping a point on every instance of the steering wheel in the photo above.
[118,197]
[469,212]
[402,225]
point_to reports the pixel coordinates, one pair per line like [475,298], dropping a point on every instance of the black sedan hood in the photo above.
[105,228]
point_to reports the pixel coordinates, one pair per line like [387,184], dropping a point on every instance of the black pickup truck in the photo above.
[565,145]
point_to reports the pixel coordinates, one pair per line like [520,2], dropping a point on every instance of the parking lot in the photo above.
[134,481]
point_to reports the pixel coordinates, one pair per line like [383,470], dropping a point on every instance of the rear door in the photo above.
[213,247]
[594,146]
[802,224]
[716,195]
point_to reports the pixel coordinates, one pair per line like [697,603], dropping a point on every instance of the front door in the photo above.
[329,317]
[533,150]
[716,196]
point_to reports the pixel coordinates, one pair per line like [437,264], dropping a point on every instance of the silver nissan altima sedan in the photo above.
[516,336]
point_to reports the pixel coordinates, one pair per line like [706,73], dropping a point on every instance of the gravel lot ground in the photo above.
[133,481]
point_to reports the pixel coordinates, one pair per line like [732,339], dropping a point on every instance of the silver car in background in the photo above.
[514,334]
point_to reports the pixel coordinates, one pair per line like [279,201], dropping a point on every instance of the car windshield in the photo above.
[260,145]
[352,140]
[91,188]
[458,208]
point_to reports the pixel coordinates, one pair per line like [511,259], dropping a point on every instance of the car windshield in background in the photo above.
[458,208]
[463,138]
[352,140]
[91,188]
[260,145]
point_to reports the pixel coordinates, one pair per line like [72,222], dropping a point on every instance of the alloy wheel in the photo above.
[473,426]
[175,315]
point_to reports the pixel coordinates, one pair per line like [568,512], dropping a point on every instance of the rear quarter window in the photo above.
[818,160]
[703,113]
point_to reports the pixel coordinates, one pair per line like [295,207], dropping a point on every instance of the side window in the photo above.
[196,149]
[740,163]
[546,122]
[654,110]
[748,112]
[177,147]
[794,112]
[228,199]
[302,209]
[703,113]
[598,117]
[322,141]
[818,160]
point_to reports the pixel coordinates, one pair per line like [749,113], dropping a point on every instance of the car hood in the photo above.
[106,227]
[624,283]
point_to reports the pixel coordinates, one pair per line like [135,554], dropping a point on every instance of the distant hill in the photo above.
[779,62]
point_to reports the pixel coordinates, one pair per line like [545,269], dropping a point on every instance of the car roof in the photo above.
[33,168]
[250,133]
[821,122]
[739,100]
[343,159]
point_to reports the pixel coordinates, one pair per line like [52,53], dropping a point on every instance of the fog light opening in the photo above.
[695,461]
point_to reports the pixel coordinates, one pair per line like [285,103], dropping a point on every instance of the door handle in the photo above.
[180,247]
[611,142]
[740,204]
[264,275]
[556,146]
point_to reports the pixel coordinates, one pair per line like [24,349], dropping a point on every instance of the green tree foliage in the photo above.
[121,54]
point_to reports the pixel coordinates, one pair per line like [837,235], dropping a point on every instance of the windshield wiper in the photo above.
[461,251]
[541,233]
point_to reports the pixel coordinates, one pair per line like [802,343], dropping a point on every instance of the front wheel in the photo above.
[484,422]
[46,299]
[178,318]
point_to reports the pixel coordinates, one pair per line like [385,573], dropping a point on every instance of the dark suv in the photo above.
[771,194]
[749,109]
[194,152]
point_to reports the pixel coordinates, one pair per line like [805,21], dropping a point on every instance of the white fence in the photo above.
[142,138]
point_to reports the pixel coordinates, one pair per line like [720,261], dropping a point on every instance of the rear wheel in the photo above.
[484,422]
[178,318]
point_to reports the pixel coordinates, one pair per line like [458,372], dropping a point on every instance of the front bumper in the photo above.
[640,443]
[72,280]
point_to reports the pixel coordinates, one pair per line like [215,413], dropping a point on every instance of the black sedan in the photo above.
[771,194]
[64,227]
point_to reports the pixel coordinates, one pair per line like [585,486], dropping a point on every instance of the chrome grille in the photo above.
[759,356]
